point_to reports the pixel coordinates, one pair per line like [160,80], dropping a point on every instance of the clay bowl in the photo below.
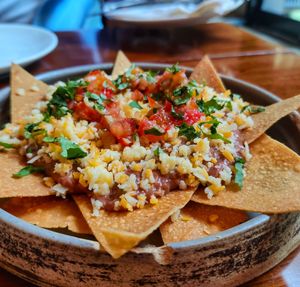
[229,258]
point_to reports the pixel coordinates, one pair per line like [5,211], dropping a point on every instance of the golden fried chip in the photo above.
[121,64]
[198,220]
[271,184]
[205,71]
[48,212]
[26,91]
[31,185]
[118,232]
[273,113]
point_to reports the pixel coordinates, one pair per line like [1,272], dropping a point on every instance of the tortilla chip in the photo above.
[121,64]
[48,212]
[205,71]
[273,113]
[271,184]
[197,220]
[118,232]
[18,187]
[26,91]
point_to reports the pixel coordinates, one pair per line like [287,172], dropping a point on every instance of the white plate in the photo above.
[24,44]
[168,14]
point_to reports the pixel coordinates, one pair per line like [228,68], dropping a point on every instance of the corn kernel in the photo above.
[216,189]
[121,178]
[153,200]
[137,167]
[228,155]
[124,203]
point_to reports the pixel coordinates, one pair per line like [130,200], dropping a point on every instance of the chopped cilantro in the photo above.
[99,107]
[175,115]
[31,130]
[157,151]
[135,104]
[229,105]
[28,170]
[239,172]
[70,150]
[188,131]
[150,76]
[6,145]
[210,106]
[154,131]
[217,136]
[174,69]
[183,94]
[253,109]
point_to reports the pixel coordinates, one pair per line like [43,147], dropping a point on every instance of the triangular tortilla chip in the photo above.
[121,65]
[31,185]
[273,113]
[118,232]
[48,212]
[26,91]
[271,184]
[205,71]
[198,220]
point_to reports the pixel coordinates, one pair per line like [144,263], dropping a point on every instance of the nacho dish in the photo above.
[122,155]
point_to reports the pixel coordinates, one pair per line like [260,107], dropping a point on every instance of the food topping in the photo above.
[127,142]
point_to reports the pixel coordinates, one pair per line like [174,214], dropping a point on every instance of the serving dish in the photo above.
[229,258]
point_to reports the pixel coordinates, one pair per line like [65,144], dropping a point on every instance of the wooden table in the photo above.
[234,52]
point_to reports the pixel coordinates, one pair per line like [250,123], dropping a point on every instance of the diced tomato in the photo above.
[123,130]
[151,102]
[84,112]
[137,95]
[108,93]
[192,116]
[96,81]
[168,107]
[145,124]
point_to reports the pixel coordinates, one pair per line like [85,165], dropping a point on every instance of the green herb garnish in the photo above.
[6,145]
[210,106]
[174,69]
[135,104]
[154,131]
[175,115]
[31,130]
[188,131]
[157,151]
[239,172]
[28,170]
[253,109]
[70,150]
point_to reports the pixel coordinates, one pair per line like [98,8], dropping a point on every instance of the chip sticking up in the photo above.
[26,91]
[118,232]
[264,120]
[198,220]
[271,184]
[48,212]
[205,71]
[121,64]
[31,185]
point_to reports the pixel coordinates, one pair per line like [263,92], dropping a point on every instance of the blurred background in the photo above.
[276,18]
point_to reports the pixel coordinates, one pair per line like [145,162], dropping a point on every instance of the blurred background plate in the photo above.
[165,13]
[24,44]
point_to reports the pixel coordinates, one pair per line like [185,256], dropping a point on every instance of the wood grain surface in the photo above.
[234,52]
